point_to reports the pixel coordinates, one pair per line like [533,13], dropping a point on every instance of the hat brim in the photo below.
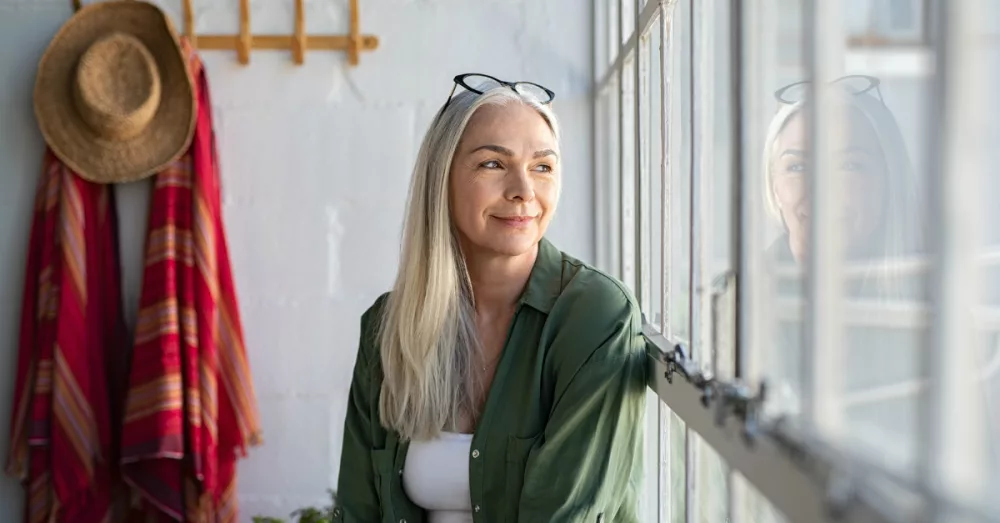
[168,134]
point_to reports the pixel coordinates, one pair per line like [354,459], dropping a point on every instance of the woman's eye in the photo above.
[544,168]
[797,168]
[851,166]
[490,164]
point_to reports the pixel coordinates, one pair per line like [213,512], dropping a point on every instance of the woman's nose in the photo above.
[519,186]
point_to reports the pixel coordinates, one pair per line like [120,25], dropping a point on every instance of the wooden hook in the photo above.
[298,42]
[189,24]
[77,4]
[299,37]
[354,42]
[245,41]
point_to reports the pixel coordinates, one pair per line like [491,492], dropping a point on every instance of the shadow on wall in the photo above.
[25,31]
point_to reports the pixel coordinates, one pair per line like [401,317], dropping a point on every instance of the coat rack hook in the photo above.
[245,40]
[299,42]
[189,24]
[354,43]
[77,4]
[299,37]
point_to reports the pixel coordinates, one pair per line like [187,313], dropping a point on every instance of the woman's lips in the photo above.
[515,221]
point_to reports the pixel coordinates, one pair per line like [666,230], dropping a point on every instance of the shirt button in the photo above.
[402,521]
[475,453]
[400,472]
[476,508]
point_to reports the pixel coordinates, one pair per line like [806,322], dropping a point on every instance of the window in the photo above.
[873,23]
[799,193]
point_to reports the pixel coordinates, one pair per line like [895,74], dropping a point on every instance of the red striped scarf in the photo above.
[190,409]
[69,331]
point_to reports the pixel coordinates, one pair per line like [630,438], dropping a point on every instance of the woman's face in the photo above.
[857,159]
[504,180]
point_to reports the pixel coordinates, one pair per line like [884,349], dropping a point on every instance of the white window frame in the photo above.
[804,477]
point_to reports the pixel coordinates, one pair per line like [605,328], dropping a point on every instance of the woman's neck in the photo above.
[497,280]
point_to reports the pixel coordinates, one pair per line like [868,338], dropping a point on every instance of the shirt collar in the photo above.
[545,283]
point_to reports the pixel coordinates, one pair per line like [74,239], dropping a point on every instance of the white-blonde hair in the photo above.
[428,340]
[901,228]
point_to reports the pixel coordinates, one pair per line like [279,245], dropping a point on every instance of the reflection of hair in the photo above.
[427,334]
[901,227]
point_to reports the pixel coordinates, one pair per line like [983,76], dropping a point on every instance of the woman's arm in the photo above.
[357,498]
[589,464]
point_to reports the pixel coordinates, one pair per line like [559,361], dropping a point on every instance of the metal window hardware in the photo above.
[729,398]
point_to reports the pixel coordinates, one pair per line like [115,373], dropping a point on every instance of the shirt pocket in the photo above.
[384,467]
[518,450]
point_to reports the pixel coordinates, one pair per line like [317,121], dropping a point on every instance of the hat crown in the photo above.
[117,87]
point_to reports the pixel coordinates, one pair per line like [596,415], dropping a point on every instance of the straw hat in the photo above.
[113,97]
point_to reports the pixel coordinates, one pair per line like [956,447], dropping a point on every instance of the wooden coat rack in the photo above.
[298,42]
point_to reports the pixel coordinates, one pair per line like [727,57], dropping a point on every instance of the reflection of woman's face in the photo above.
[857,159]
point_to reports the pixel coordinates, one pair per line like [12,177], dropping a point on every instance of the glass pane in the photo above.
[628,173]
[678,87]
[781,357]
[602,37]
[979,142]
[655,200]
[751,506]
[874,23]
[603,130]
[628,19]
[645,217]
[712,485]
[613,181]
[714,169]
[675,458]
[614,23]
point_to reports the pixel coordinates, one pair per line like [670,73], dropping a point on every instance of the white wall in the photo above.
[316,161]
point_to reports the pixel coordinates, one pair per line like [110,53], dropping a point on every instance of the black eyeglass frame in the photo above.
[873,83]
[460,81]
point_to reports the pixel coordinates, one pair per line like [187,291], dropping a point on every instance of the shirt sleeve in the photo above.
[357,497]
[588,467]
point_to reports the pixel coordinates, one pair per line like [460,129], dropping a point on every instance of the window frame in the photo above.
[802,475]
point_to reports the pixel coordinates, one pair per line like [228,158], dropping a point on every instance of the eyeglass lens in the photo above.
[481,83]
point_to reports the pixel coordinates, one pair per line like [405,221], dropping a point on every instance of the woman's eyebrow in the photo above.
[545,152]
[495,148]
[507,152]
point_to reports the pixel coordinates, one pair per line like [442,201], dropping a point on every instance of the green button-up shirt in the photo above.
[561,435]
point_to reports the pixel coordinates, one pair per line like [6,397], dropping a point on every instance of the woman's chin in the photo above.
[511,244]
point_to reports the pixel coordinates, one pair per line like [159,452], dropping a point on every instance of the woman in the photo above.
[501,379]
[878,214]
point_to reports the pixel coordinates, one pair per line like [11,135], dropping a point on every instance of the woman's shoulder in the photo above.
[595,318]
[371,320]
[593,299]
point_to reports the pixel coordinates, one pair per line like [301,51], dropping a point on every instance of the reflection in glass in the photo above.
[680,172]
[656,195]
[882,233]
[627,180]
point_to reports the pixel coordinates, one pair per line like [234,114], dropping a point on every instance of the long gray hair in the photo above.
[429,344]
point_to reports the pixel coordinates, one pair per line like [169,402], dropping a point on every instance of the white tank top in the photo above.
[436,477]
